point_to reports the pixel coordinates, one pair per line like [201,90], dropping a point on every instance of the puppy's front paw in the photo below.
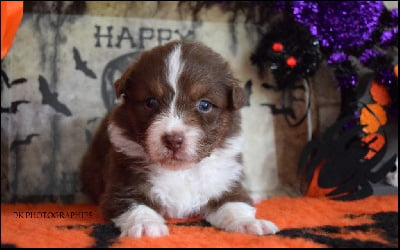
[141,221]
[259,227]
[240,217]
[150,229]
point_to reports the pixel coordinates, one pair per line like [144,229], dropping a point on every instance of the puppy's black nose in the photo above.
[173,141]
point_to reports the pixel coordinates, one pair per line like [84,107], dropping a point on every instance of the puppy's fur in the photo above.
[172,147]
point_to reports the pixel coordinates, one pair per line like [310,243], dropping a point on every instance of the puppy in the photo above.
[172,147]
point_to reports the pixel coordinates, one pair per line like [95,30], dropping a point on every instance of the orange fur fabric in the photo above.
[304,222]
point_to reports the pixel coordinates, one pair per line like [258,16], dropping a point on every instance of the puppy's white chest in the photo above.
[183,193]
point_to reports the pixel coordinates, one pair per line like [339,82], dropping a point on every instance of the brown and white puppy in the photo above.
[172,147]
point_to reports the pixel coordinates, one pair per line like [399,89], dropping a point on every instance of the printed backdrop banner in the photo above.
[57,84]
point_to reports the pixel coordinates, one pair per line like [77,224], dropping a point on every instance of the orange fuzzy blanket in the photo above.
[304,222]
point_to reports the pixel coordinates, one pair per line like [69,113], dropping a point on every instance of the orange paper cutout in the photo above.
[373,116]
[380,94]
[375,146]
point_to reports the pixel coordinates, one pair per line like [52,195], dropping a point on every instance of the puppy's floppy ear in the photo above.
[238,96]
[119,87]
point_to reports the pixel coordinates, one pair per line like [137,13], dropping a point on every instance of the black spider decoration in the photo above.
[292,54]
[289,50]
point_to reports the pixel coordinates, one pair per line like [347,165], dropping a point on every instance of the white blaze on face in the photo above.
[174,65]
[171,122]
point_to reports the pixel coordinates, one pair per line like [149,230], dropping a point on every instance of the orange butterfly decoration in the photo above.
[373,116]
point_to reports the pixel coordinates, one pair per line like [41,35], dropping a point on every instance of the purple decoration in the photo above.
[356,114]
[338,58]
[339,24]
[388,36]
[347,81]
[368,54]
[279,6]
[386,76]
[395,16]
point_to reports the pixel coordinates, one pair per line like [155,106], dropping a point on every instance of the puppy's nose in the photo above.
[173,141]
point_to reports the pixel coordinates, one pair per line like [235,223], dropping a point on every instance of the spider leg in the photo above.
[364,189]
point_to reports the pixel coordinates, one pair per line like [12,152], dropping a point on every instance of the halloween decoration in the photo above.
[344,38]
[354,38]
[11,16]
[343,163]
[292,55]
[361,149]
[289,50]
[51,98]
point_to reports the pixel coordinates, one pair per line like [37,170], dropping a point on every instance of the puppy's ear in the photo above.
[238,97]
[119,87]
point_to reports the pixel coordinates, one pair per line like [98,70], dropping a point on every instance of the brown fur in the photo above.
[119,181]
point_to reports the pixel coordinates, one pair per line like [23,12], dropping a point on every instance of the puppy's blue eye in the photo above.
[151,103]
[204,106]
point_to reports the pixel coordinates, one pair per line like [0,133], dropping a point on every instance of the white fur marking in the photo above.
[123,144]
[141,221]
[175,66]
[240,217]
[185,192]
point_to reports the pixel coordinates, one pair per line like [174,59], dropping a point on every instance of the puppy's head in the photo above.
[180,102]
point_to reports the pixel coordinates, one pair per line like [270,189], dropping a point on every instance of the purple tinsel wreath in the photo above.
[339,24]
[346,28]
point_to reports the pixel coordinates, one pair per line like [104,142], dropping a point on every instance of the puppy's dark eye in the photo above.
[151,103]
[204,106]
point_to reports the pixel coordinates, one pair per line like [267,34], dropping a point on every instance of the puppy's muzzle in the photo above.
[173,141]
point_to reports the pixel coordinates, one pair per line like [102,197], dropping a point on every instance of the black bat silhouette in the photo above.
[14,107]
[7,80]
[81,65]
[25,141]
[51,98]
